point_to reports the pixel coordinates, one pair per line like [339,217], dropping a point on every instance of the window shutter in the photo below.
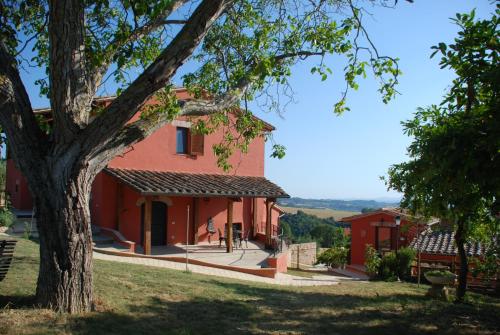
[197,144]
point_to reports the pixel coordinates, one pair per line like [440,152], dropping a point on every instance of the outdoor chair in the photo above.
[245,238]
[6,253]
[221,238]
[210,230]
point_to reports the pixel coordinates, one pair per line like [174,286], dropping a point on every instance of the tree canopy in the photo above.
[454,167]
[236,51]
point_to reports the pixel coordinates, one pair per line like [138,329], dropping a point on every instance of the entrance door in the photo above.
[158,223]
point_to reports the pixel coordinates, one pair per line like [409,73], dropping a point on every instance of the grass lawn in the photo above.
[320,212]
[134,299]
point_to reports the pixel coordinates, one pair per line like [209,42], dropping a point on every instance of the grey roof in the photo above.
[194,184]
[443,243]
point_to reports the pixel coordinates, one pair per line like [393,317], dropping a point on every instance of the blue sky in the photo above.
[342,157]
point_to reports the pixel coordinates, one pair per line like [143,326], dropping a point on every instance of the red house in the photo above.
[166,189]
[379,229]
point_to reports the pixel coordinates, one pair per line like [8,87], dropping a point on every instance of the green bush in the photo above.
[391,266]
[334,257]
[405,258]
[372,261]
[441,273]
[388,267]
[6,217]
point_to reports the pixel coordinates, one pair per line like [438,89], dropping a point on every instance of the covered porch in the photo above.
[179,209]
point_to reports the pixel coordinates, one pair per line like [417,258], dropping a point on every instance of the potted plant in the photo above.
[439,279]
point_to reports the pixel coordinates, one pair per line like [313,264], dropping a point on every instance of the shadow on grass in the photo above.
[17,301]
[257,310]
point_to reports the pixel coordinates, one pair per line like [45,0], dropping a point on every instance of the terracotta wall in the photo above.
[158,152]
[17,188]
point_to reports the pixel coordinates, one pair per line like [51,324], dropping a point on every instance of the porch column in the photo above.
[229,237]
[269,237]
[255,223]
[196,219]
[147,225]
[119,205]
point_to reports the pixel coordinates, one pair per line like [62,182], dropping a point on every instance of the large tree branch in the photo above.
[70,89]
[25,138]
[107,125]
[142,128]
[114,46]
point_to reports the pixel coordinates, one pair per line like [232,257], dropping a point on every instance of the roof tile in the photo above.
[194,184]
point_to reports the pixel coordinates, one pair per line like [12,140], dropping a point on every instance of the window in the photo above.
[182,140]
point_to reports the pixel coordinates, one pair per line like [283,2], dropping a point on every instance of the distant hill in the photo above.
[343,205]
[322,213]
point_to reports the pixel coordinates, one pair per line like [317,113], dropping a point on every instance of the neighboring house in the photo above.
[378,229]
[165,189]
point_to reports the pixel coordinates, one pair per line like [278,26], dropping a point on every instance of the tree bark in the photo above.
[464,266]
[63,219]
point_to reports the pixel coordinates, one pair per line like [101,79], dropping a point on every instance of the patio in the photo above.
[250,256]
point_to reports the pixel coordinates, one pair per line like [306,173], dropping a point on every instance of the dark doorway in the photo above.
[158,223]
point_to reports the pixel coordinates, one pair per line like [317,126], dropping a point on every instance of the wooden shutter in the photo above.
[197,144]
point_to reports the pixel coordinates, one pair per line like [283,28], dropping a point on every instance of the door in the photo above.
[158,223]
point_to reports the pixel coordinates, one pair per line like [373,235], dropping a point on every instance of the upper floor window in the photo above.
[182,140]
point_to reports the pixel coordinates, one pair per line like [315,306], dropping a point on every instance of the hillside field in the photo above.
[320,212]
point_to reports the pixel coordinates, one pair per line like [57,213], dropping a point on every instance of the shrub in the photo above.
[441,273]
[388,267]
[334,257]
[391,266]
[6,217]
[372,261]
[404,259]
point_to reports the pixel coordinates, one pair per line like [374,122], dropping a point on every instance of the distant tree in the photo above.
[368,210]
[328,236]
[454,167]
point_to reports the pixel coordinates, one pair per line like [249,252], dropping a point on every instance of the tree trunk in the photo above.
[63,219]
[464,266]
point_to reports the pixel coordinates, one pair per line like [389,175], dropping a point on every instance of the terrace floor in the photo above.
[253,255]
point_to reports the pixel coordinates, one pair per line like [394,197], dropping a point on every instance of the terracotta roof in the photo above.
[194,184]
[389,211]
[394,211]
[443,243]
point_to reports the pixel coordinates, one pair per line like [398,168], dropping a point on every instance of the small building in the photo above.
[379,229]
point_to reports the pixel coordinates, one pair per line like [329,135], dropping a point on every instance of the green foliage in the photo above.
[303,227]
[3,172]
[391,266]
[334,257]
[405,258]
[441,273]
[454,167]
[372,261]
[6,217]
[369,210]
[388,267]
[249,50]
